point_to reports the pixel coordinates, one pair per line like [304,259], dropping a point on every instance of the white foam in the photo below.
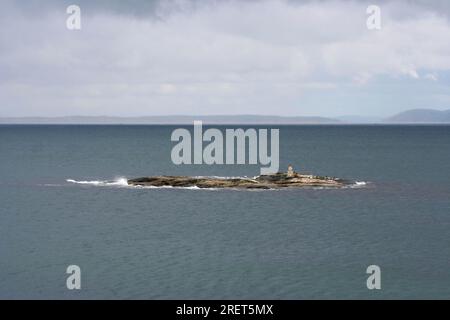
[357,184]
[172,187]
[121,182]
[227,178]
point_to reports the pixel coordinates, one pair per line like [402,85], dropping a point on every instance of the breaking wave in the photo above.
[358,184]
[119,182]
[123,182]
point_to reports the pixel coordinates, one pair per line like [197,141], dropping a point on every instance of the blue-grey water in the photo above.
[214,244]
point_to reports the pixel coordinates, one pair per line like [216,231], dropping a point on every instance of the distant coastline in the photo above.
[169,120]
[416,116]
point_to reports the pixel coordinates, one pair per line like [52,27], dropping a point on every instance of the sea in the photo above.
[64,201]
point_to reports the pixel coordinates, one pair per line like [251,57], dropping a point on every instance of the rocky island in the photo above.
[279,180]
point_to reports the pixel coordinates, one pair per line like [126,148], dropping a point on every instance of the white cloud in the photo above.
[431,76]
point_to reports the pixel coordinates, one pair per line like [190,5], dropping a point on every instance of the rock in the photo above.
[274,181]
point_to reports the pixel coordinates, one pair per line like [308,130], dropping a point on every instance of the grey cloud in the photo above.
[222,57]
[141,8]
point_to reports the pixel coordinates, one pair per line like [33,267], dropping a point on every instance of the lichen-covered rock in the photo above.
[274,181]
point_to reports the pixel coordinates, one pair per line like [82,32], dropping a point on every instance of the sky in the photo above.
[269,57]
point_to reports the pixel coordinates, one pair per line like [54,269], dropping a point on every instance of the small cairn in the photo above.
[290,171]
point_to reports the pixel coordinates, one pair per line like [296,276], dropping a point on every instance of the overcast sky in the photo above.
[223,57]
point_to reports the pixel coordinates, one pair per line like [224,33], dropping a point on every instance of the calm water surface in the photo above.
[205,244]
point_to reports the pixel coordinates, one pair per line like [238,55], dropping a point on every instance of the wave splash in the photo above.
[123,182]
[119,182]
[358,184]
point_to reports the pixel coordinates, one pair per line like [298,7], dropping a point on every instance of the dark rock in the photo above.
[275,181]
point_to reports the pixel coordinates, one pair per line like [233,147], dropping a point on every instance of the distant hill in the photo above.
[420,116]
[411,116]
[180,119]
[359,119]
